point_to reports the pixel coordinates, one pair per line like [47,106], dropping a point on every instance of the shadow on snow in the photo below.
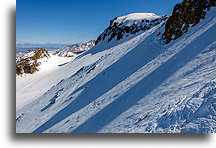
[117,73]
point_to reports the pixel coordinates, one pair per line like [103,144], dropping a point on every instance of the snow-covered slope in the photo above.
[31,86]
[138,85]
[74,49]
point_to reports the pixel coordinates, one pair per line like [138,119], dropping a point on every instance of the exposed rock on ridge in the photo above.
[29,62]
[185,15]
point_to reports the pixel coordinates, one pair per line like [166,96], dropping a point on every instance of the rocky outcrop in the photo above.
[29,63]
[74,49]
[185,15]
[121,27]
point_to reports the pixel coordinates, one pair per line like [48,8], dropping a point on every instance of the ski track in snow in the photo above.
[140,85]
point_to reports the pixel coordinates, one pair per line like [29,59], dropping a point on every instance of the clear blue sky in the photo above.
[72,21]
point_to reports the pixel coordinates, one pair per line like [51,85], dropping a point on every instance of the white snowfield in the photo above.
[31,86]
[134,18]
[140,85]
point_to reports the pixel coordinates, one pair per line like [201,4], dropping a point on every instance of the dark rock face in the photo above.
[185,15]
[119,30]
[30,64]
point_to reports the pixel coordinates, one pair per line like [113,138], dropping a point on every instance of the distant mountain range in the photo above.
[75,49]
[34,45]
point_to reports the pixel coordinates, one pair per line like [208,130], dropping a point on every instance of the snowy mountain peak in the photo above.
[124,26]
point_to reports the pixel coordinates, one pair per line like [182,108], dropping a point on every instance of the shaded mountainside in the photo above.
[124,26]
[74,49]
[185,15]
[28,62]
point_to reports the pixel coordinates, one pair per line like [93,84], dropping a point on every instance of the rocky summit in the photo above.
[124,26]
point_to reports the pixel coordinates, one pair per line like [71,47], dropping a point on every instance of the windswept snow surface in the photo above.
[134,18]
[140,85]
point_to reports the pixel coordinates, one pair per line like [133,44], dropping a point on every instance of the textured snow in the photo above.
[134,18]
[140,85]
